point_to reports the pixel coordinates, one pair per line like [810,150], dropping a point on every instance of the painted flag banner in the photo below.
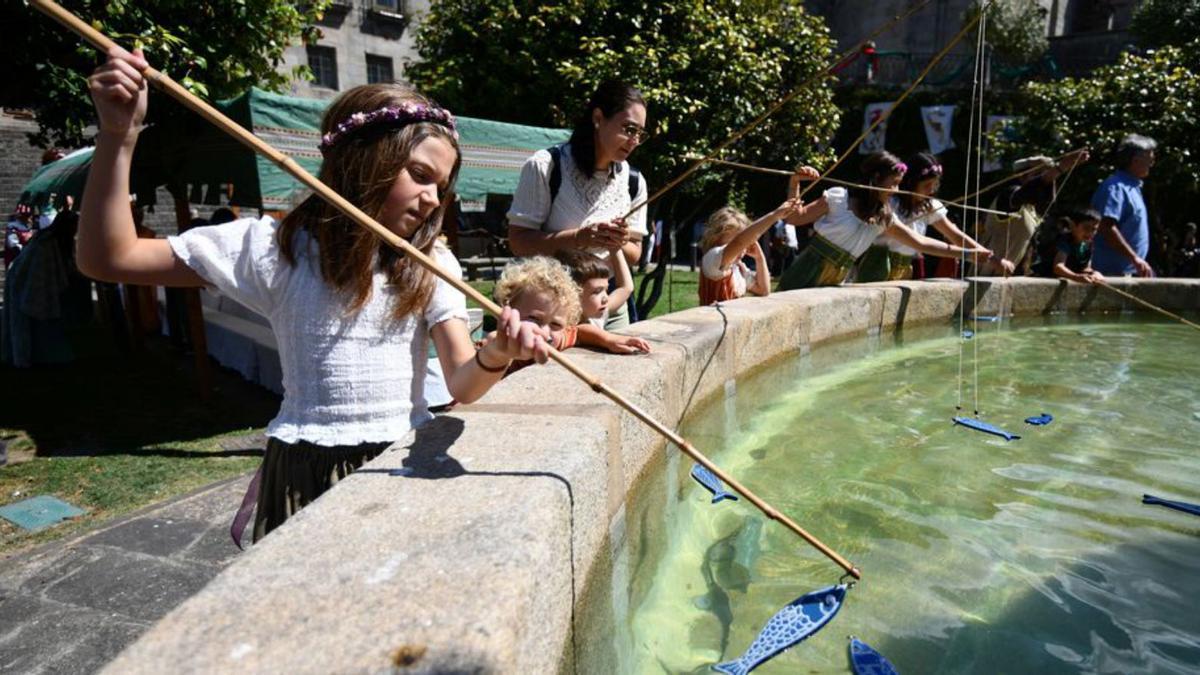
[939,120]
[877,139]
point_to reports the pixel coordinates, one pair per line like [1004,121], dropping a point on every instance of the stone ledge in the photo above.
[477,557]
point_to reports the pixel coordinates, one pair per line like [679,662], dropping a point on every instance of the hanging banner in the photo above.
[876,140]
[938,121]
[996,124]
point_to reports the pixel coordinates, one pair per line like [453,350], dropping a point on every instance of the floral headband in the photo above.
[900,167]
[406,113]
[932,170]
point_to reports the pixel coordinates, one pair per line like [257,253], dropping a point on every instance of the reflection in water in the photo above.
[979,556]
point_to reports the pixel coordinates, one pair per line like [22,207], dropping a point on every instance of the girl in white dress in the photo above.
[352,318]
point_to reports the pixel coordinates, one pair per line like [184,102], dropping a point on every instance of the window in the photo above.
[323,62]
[379,69]
[391,6]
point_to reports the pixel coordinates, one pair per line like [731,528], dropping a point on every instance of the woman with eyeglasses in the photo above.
[889,259]
[572,196]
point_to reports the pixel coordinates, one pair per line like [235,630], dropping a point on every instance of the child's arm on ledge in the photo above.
[591,336]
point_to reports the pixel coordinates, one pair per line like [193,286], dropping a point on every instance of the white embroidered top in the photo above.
[347,379]
[918,224]
[844,229]
[581,200]
[710,266]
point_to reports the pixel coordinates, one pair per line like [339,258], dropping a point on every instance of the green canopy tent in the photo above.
[193,152]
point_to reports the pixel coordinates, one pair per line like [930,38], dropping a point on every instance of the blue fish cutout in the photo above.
[989,319]
[866,661]
[1193,509]
[968,334]
[1040,420]
[980,425]
[805,615]
[711,483]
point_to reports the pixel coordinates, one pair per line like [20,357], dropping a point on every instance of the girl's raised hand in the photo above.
[119,91]
[516,339]
[807,173]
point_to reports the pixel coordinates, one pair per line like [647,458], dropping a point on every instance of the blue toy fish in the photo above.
[1193,509]
[711,483]
[968,334]
[866,661]
[980,425]
[989,319]
[1040,420]
[805,615]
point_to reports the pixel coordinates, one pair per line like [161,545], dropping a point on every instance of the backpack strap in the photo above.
[634,174]
[555,170]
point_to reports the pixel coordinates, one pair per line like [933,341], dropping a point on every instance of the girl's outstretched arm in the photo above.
[108,247]
[739,246]
[905,235]
[960,238]
[809,213]
[762,275]
[624,278]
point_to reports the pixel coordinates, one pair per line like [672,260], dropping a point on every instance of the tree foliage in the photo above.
[1154,94]
[706,70]
[1168,22]
[215,48]
[1016,30]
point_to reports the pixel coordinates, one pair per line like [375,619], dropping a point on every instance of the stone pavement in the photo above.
[71,606]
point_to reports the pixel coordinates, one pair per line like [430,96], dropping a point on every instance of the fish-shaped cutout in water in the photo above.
[711,483]
[1040,420]
[980,425]
[968,334]
[803,617]
[866,661]
[986,318]
[1185,507]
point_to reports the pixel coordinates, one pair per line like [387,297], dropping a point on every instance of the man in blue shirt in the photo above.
[1124,237]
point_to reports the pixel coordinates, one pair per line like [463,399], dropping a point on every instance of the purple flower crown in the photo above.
[900,167]
[401,115]
[932,170]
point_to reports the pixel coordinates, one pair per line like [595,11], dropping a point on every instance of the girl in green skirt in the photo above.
[847,222]
[889,259]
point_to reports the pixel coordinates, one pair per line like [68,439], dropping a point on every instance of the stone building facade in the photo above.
[363,41]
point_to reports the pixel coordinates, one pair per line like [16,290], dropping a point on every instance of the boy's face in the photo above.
[539,308]
[1085,230]
[594,297]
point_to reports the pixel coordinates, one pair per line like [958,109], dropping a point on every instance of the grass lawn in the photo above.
[112,433]
[682,293]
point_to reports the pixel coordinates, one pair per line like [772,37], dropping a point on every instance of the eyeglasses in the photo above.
[635,132]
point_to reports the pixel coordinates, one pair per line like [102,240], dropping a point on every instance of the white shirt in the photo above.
[918,224]
[581,200]
[347,379]
[843,228]
[710,266]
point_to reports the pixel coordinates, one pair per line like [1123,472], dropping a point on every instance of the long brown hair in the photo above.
[875,169]
[362,168]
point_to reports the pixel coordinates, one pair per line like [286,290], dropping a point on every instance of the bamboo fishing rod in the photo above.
[876,188]
[920,78]
[1025,172]
[1147,304]
[825,72]
[194,103]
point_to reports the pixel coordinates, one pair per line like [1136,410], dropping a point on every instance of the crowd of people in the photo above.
[353,318]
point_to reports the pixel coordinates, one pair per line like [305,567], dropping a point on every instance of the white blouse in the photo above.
[919,224]
[843,228]
[581,199]
[347,379]
[710,266]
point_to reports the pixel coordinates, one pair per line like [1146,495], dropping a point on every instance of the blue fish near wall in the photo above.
[711,483]
[1184,507]
[1040,420]
[805,616]
[866,661]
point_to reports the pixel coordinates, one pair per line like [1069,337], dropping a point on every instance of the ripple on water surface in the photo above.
[979,556]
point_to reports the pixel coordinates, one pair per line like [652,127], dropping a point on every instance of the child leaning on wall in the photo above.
[1073,258]
[591,275]
[542,291]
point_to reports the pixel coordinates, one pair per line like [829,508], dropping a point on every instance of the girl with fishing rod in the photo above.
[847,222]
[889,259]
[352,317]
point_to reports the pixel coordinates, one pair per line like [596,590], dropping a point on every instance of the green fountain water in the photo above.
[979,555]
